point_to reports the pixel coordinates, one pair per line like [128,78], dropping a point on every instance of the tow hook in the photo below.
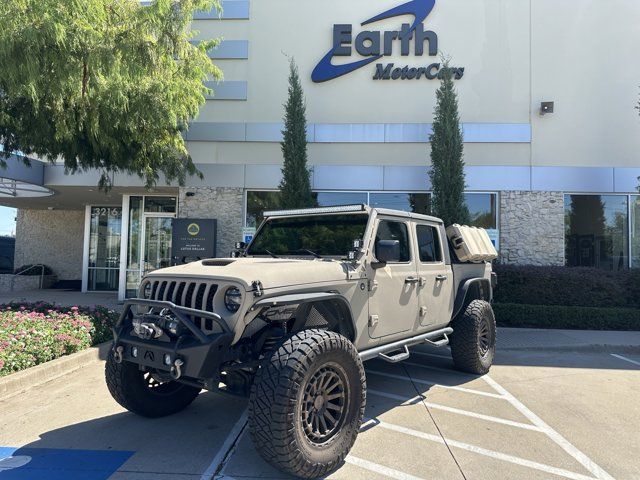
[117,354]
[176,369]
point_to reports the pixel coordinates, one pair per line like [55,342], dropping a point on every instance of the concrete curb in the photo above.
[24,380]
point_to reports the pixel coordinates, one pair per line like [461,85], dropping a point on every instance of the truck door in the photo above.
[435,295]
[393,301]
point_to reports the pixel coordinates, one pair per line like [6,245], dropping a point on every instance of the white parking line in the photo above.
[620,357]
[381,469]
[482,451]
[224,451]
[426,382]
[436,406]
[555,436]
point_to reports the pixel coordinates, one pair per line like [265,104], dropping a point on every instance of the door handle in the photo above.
[441,278]
[411,280]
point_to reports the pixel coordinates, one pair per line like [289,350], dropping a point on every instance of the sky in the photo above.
[7,220]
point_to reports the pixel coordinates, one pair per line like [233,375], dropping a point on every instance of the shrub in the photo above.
[37,271]
[576,286]
[31,334]
[569,317]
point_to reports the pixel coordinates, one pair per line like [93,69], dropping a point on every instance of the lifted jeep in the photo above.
[292,316]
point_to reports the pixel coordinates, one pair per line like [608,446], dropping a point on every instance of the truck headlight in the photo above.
[146,291]
[233,299]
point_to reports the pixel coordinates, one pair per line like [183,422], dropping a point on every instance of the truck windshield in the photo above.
[324,235]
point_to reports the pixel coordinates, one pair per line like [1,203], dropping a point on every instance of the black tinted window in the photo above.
[428,244]
[395,231]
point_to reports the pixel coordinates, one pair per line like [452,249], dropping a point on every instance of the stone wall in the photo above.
[223,204]
[52,237]
[532,228]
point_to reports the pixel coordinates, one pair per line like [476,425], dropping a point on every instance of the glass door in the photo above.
[157,243]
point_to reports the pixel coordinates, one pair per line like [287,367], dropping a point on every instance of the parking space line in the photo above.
[438,369]
[620,357]
[426,382]
[436,406]
[381,469]
[551,433]
[482,451]
[226,450]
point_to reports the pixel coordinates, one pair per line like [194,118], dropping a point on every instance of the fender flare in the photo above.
[472,289]
[305,300]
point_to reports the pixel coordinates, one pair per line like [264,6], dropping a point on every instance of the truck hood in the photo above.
[271,272]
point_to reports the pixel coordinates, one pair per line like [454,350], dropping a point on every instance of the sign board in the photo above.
[494,236]
[247,234]
[193,239]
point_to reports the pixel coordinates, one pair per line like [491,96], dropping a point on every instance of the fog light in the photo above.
[134,352]
[167,359]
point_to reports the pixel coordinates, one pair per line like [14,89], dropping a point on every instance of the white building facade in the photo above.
[547,91]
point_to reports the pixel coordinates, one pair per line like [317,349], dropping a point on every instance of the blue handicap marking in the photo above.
[59,464]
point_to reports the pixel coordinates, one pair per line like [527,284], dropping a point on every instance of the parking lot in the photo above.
[538,415]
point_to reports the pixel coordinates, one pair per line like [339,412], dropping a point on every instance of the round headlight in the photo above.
[233,299]
[146,292]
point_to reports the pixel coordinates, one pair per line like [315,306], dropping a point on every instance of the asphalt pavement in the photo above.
[539,414]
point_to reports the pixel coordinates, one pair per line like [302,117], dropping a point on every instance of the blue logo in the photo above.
[376,45]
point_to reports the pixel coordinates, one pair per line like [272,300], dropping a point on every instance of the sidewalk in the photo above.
[65,298]
[576,340]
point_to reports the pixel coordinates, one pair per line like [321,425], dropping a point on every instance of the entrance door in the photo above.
[157,243]
[393,304]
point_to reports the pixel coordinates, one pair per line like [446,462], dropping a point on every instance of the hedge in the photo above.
[569,317]
[568,286]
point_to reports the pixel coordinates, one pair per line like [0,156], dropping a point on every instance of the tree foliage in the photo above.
[447,170]
[296,183]
[103,84]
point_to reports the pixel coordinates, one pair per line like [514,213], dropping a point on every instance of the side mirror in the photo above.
[387,251]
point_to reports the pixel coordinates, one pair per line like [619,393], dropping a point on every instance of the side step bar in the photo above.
[438,338]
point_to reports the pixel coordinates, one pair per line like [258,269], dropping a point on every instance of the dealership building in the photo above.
[547,96]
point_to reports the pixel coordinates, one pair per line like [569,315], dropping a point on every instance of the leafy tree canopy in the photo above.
[102,84]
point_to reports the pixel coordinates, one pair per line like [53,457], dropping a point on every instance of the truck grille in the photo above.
[196,295]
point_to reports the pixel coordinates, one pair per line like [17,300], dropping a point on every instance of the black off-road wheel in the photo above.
[307,402]
[473,341]
[144,393]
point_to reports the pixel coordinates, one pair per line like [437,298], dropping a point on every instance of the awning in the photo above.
[18,180]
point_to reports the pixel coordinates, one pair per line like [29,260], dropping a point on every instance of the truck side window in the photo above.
[388,230]
[428,244]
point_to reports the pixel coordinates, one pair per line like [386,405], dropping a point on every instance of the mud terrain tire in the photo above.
[140,393]
[473,341]
[307,403]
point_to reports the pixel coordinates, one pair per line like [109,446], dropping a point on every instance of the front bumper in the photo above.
[193,354]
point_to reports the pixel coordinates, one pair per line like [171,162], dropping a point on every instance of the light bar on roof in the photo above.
[312,211]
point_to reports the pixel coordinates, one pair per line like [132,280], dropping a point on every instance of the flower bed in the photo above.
[34,333]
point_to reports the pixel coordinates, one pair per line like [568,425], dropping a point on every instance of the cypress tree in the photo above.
[447,163]
[296,183]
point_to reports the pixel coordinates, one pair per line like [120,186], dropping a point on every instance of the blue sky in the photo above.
[7,220]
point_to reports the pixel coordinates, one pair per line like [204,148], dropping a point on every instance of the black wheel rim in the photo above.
[157,385]
[484,338]
[324,404]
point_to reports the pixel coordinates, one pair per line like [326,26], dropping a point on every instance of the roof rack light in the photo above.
[311,211]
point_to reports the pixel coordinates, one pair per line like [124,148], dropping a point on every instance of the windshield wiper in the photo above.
[310,252]
[273,255]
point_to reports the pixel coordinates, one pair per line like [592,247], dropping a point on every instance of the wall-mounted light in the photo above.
[190,194]
[546,107]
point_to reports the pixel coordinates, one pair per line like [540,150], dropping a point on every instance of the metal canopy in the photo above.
[18,180]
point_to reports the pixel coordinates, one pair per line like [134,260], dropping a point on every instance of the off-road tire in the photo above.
[279,416]
[129,387]
[473,341]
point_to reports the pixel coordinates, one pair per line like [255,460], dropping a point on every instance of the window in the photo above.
[333,199]
[597,231]
[635,231]
[104,248]
[258,203]
[388,230]
[428,244]
[160,204]
[482,209]
[408,202]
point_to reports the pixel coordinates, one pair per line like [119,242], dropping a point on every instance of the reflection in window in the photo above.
[104,248]
[596,231]
[482,209]
[388,230]
[160,204]
[408,202]
[635,231]
[428,244]
[334,199]
[258,203]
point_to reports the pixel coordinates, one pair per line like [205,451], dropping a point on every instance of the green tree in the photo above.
[447,163]
[296,182]
[103,84]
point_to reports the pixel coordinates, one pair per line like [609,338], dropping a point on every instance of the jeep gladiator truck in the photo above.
[290,318]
